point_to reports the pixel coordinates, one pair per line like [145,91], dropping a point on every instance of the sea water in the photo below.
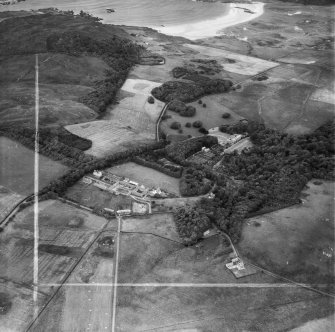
[149,13]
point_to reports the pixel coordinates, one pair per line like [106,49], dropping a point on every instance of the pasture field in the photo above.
[150,178]
[92,196]
[217,309]
[17,168]
[189,288]
[159,224]
[324,95]
[210,116]
[296,242]
[8,200]
[57,215]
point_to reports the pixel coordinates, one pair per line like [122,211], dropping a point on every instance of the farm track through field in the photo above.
[14,210]
[153,234]
[31,325]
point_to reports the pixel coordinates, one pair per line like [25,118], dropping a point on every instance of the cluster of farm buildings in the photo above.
[118,185]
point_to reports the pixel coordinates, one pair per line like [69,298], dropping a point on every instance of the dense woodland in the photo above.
[269,176]
[194,182]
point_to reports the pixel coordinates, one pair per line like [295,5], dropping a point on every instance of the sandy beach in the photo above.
[238,13]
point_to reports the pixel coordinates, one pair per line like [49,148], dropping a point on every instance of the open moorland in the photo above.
[296,242]
[17,171]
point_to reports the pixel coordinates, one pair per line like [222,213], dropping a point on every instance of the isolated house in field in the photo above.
[97,174]
[235,263]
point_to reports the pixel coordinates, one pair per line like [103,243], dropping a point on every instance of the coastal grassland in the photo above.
[8,199]
[239,64]
[94,197]
[18,168]
[147,176]
[284,28]
[284,99]
[296,242]
[161,224]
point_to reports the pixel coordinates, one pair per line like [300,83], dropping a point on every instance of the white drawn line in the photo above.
[116,272]
[181,285]
[36,185]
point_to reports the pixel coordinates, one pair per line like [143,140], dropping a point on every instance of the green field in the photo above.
[17,168]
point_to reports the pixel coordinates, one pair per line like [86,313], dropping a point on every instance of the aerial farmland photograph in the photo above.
[167,165]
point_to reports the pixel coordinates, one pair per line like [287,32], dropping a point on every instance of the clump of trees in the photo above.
[226,115]
[180,107]
[175,125]
[197,124]
[190,91]
[154,162]
[191,224]
[151,100]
